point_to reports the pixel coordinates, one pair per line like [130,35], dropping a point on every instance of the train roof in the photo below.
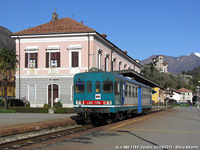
[138,77]
[117,76]
[130,80]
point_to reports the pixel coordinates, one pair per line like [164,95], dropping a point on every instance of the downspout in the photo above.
[88,52]
[111,63]
[19,70]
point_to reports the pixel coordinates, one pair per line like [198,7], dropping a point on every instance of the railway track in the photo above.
[36,139]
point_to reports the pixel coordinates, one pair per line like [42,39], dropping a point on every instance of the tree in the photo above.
[8,66]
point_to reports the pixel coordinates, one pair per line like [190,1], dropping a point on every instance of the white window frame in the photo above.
[29,50]
[114,63]
[120,64]
[107,61]
[74,48]
[99,54]
[52,49]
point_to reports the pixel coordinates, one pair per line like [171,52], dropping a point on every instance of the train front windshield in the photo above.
[79,87]
[108,87]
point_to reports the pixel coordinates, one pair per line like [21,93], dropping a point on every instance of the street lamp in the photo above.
[52,71]
[52,75]
[197,102]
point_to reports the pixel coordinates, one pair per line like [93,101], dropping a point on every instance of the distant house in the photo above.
[158,96]
[159,64]
[172,94]
[186,95]
[52,53]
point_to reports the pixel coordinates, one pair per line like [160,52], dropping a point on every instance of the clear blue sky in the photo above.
[142,27]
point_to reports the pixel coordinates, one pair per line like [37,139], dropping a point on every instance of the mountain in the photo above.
[5,39]
[178,64]
[195,72]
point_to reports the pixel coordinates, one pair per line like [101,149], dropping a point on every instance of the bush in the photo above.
[1,103]
[27,105]
[29,110]
[172,101]
[15,102]
[46,106]
[64,110]
[41,110]
[58,105]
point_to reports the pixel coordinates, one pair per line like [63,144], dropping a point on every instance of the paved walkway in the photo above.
[12,119]
[14,123]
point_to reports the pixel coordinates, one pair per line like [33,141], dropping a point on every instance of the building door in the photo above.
[55,93]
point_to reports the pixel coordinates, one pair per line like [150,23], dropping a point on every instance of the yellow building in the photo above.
[158,95]
[10,88]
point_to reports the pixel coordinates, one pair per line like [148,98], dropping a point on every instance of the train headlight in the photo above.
[107,102]
[78,102]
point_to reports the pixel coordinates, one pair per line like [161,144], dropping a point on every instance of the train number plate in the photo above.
[93,102]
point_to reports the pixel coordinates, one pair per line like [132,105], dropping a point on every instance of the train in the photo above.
[106,96]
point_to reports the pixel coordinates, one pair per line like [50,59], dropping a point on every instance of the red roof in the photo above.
[64,25]
[184,90]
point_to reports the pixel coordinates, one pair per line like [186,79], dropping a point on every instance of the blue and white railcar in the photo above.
[109,96]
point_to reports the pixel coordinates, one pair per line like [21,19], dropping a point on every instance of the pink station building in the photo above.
[52,53]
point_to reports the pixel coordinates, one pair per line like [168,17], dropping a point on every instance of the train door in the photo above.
[139,100]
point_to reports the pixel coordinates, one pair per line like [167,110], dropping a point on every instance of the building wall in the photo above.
[41,93]
[40,77]
[159,95]
[186,96]
[176,96]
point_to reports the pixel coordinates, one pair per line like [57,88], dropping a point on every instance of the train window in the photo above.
[133,92]
[136,92]
[116,88]
[89,86]
[79,87]
[107,86]
[130,89]
[126,90]
[98,87]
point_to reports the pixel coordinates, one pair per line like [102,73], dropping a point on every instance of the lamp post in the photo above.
[52,75]
[198,103]
[51,110]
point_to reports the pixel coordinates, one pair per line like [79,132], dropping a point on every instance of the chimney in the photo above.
[54,16]
[82,22]
[104,35]
[125,52]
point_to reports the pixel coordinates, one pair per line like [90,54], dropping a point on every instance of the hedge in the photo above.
[7,111]
[41,110]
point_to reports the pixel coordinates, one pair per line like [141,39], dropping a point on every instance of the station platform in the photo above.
[16,123]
